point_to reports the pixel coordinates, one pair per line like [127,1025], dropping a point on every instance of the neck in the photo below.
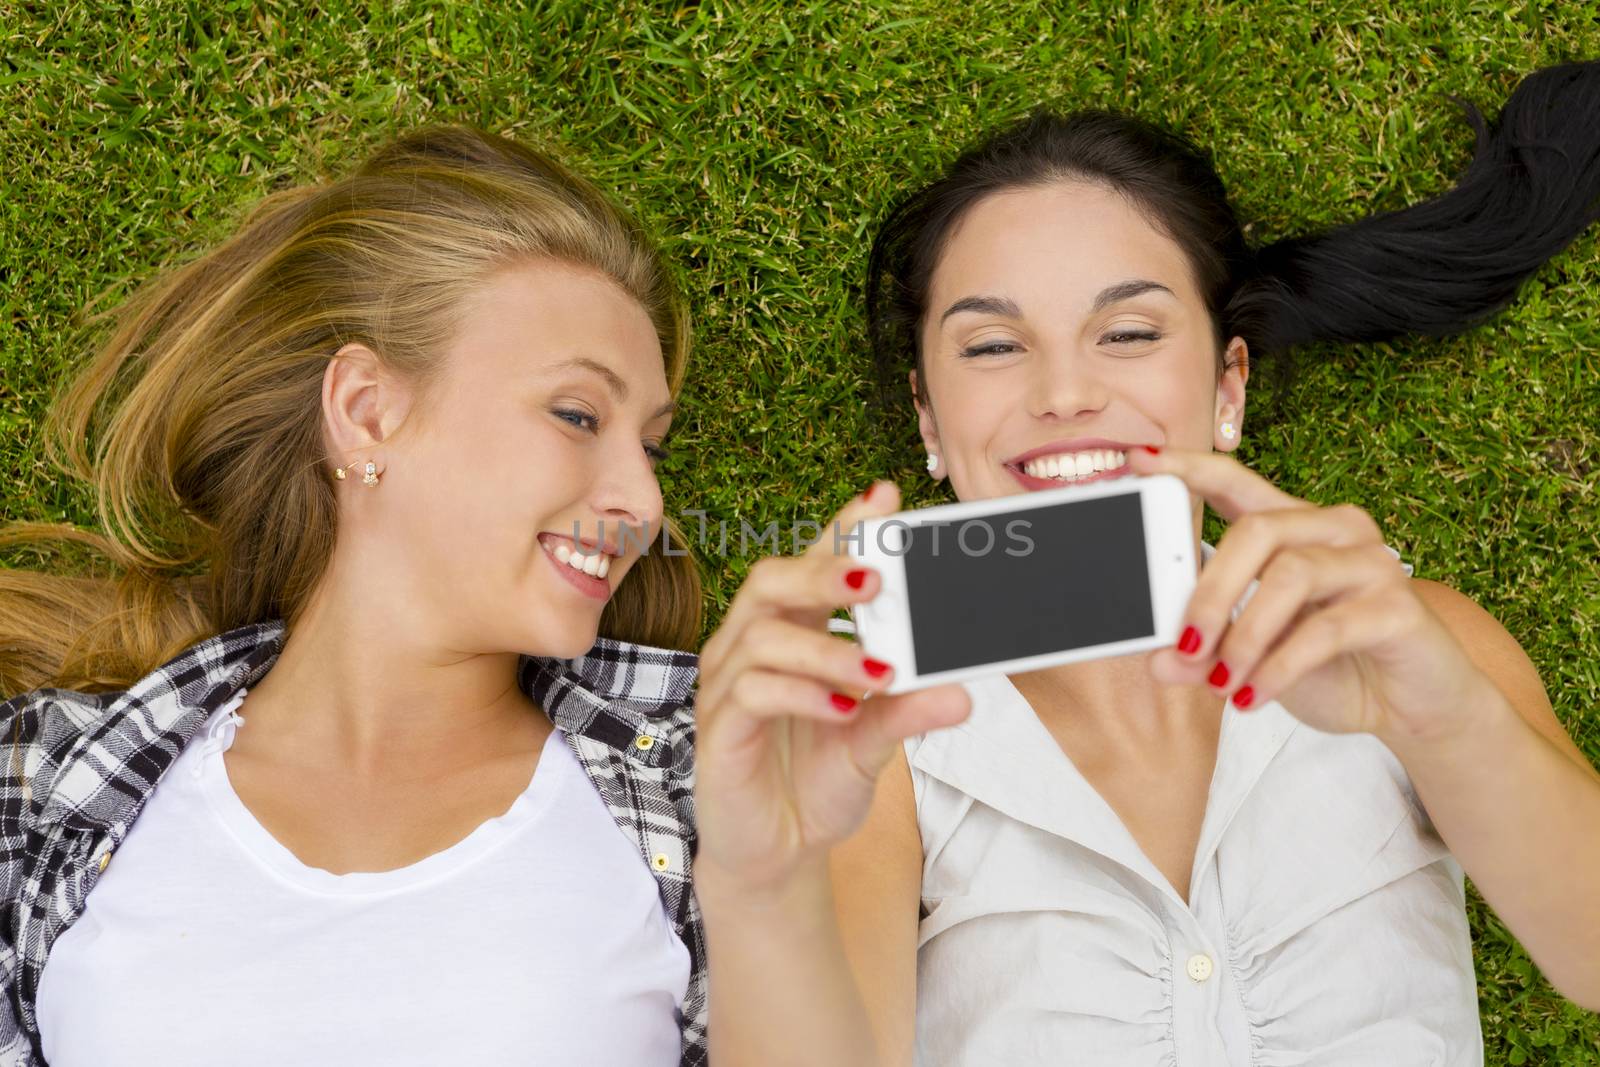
[364,685]
[1117,700]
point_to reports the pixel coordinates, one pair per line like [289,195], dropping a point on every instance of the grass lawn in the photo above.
[763,142]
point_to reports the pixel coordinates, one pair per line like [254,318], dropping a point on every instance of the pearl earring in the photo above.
[1228,431]
[933,462]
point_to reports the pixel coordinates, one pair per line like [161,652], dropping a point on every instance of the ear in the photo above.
[928,427]
[363,402]
[1230,396]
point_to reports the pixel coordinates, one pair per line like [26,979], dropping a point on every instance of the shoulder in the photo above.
[655,683]
[39,729]
[1491,646]
[53,710]
[134,730]
[876,876]
[1462,614]
[1499,656]
[887,848]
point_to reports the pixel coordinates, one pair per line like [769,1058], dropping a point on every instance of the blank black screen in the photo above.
[1083,582]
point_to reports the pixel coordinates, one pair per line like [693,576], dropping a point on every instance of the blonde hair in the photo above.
[210,474]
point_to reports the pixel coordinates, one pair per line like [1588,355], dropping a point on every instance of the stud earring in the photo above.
[370,477]
[1228,431]
[933,462]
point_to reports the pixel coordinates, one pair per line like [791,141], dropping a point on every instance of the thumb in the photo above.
[886,721]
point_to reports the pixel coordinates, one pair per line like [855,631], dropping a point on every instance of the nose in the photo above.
[1065,387]
[627,494]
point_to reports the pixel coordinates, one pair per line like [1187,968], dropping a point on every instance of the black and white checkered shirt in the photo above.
[82,765]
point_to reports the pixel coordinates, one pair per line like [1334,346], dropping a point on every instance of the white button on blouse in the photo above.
[1325,923]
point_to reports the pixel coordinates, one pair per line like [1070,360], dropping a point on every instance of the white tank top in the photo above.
[540,938]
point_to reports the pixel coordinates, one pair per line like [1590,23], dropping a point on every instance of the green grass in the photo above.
[764,141]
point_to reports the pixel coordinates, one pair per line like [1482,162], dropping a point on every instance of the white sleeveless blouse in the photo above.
[1325,927]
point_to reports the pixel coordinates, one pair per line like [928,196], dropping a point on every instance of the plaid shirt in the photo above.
[82,765]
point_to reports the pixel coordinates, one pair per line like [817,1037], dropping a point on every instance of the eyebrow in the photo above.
[999,305]
[984,305]
[1126,291]
[618,387]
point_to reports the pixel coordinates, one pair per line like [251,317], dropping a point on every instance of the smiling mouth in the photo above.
[1072,468]
[584,566]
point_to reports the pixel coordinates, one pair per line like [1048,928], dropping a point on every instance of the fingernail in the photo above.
[1189,642]
[855,579]
[1219,675]
[1153,450]
[842,702]
[875,667]
[1244,697]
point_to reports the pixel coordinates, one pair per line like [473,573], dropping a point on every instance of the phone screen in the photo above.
[1028,582]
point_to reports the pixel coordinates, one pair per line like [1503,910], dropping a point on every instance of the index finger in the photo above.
[813,584]
[1231,488]
[880,498]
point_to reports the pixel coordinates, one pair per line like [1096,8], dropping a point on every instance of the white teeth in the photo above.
[597,565]
[1073,466]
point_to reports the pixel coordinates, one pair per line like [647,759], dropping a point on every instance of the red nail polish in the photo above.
[1219,675]
[875,667]
[842,702]
[1244,697]
[1189,643]
[1153,450]
[855,579]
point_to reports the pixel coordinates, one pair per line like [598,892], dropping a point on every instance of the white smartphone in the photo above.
[1022,582]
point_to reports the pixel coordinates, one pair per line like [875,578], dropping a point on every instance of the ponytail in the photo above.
[1450,262]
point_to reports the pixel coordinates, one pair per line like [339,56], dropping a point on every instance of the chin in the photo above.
[570,642]
[553,637]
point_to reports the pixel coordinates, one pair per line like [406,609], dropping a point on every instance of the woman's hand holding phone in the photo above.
[1345,641]
[1336,631]
[787,761]
[788,751]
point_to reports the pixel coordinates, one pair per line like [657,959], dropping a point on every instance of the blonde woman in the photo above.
[332,768]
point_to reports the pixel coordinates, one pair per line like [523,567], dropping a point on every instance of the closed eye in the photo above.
[1123,337]
[993,348]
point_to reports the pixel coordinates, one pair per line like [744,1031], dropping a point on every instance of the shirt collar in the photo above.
[615,693]
[1005,758]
